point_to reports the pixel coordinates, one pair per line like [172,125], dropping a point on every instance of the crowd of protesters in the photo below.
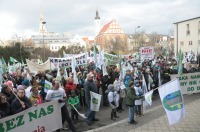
[116,91]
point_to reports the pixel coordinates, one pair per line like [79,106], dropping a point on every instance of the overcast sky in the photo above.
[77,16]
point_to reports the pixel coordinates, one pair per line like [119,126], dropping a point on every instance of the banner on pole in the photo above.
[42,118]
[147,53]
[172,101]
[190,82]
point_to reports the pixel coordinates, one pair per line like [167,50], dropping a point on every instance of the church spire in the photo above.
[97,15]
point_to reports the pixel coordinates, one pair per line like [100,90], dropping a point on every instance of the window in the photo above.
[190,42]
[55,47]
[199,28]
[188,29]
[182,43]
[198,42]
[52,47]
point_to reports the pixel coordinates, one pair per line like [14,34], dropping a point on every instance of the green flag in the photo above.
[13,60]
[4,65]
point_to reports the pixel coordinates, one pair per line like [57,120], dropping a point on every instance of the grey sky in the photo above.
[77,16]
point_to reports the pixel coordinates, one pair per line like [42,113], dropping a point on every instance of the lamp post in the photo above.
[43,38]
[135,34]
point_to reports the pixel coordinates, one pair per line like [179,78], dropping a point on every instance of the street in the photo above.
[154,119]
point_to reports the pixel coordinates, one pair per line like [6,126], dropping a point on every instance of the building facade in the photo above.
[54,41]
[187,35]
[112,37]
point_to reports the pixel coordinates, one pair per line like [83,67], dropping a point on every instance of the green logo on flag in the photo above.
[173,101]
[94,101]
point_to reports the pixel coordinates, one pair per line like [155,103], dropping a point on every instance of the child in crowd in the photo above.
[73,101]
[113,98]
[139,92]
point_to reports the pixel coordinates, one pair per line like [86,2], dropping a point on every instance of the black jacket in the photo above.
[16,106]
[5,110]
[89,86]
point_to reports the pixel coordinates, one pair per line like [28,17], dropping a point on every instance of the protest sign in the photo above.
[42,118]
[147,53]
[81,59]
[190,82]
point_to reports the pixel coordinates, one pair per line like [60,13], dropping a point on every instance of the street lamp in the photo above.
[43,37]
[135,33]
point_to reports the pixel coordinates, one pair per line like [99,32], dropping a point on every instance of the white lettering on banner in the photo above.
[35,119]
[190,82]
[147,53]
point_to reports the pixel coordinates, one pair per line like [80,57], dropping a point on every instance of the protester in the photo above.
[127,78]
[22,104]
[59,94]
[90,86]
[113,98]
[73,101]
[27,87]
[6,91]
[70,86]
[35,98]
[139,93]
[5,109]
[130,102]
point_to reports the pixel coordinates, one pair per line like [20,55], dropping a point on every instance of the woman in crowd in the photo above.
[22,104]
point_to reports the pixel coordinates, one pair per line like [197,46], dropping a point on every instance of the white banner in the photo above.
[81,59]
[95,101]
[42,118]
[34,67]
[147,53]
[172,101]
[190,82]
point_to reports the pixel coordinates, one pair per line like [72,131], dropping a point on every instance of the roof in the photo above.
[186,20]
[105,27]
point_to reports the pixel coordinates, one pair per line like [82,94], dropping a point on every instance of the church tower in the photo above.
[42,28]
[97,23]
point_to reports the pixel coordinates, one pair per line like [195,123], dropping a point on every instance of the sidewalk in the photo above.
[155,120]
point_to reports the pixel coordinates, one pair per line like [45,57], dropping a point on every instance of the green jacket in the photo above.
[131,97]
[74,101]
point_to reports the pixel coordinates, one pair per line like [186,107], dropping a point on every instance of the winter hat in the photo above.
[9,83]
[110,87]
[131,83]
[3,87]
[19,87]
[25,82]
